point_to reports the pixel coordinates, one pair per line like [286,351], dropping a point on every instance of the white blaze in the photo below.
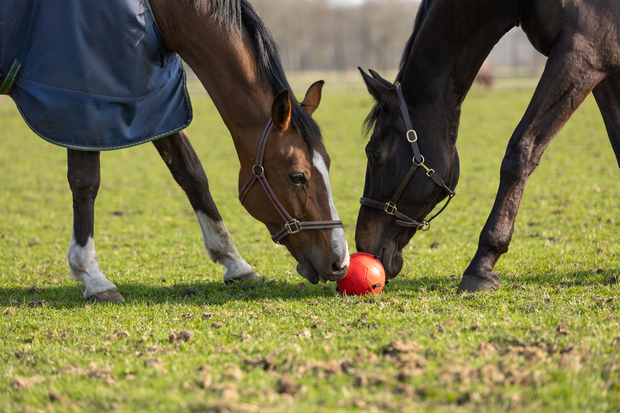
[339,240]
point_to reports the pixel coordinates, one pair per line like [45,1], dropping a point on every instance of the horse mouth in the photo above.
[306,269]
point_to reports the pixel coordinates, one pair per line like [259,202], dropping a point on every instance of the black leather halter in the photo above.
[418,160]
[291,225]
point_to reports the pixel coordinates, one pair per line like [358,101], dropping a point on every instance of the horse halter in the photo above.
[291,225]
[418,160]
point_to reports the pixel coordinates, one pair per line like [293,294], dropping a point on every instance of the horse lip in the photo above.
[333,278]
[312,276]
[309,272]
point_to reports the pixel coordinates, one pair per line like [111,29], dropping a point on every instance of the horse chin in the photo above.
[307,270]
[387,248]
[392,260]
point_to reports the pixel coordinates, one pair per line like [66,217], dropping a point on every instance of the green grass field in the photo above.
[548,340]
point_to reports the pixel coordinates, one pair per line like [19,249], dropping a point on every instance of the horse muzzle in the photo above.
[325,272]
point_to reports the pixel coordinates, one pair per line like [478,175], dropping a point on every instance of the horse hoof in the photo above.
[475,284]
[108,296]
[251,276]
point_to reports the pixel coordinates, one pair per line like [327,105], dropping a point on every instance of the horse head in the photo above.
[410,169]
[295,201]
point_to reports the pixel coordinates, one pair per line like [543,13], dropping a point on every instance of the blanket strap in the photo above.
[9,80]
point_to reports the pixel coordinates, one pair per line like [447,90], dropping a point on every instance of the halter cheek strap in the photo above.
[291,225]
[417,161]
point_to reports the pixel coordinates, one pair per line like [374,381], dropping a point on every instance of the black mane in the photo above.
[235,14]
[375,113]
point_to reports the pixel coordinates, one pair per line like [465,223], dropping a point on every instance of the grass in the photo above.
[548,340]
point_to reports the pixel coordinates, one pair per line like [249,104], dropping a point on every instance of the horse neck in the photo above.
[455,38]
[226,65]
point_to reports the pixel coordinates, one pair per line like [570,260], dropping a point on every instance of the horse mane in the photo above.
[234,15]
[375,113]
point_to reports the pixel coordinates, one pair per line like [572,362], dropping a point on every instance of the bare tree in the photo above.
[323,35]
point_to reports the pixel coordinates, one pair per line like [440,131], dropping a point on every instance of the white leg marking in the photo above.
[84,267]
[339,240]
[221,247]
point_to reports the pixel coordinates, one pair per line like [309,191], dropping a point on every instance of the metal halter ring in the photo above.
[415,139]
[421,161]
[262,170]
[424,226]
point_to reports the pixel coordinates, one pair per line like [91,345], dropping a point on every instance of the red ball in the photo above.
[366,275]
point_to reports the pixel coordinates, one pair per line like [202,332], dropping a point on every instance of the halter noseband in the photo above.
[418,160]
[291,225]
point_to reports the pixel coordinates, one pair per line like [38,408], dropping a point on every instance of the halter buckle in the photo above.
[289,226]
[415,136]
[390,208]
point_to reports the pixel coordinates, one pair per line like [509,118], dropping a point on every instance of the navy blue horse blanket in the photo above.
[92,75]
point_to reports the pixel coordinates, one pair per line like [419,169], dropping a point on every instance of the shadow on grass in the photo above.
[217,293]
[554,280]
[198,293]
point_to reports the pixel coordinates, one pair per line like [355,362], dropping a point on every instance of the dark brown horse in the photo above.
[450,41]
[233,54]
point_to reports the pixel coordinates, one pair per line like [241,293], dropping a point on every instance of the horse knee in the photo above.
[516,167]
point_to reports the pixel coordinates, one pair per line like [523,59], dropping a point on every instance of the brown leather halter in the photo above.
[418,160]
[291,225]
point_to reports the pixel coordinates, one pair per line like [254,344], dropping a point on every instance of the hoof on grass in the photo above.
[251,276]
[475,284]
[108,296]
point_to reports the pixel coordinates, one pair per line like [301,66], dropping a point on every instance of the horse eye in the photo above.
[298,178]
[372,156]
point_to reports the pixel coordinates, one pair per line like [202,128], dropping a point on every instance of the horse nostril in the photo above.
[338,268]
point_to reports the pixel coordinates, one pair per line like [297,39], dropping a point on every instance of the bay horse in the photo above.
[278,144]
[449,43]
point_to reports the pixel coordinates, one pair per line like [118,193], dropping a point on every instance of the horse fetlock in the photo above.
[92,278]
[84,268]
[237,269]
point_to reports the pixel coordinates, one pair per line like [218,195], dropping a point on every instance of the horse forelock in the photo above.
[378,111]
[234,15]
[371,119]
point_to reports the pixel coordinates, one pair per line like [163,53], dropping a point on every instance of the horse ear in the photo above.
[281,111]
[313,97]
[375,87]
[377,76]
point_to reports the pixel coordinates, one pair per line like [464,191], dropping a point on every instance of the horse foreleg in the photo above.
[180,157]
[84,177]
[607,95]
[565,83]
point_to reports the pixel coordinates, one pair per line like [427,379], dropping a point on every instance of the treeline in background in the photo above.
[331,38]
